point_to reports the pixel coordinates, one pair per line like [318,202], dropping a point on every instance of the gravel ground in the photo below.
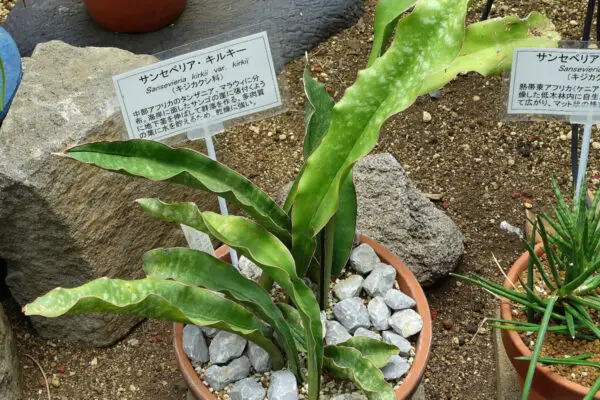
[5,7]
[484,167]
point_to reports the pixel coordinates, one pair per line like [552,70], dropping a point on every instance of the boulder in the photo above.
[392,211]
[63,223]
[294,26]
[10,371]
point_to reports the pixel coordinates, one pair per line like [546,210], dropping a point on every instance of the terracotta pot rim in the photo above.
[404,278]
[514,337]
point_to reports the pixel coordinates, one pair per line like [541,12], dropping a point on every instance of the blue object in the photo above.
[12,68]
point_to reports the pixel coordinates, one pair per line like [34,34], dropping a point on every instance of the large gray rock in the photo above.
[397,300]
[294,26]
[336,333]
[379,313]
[218,376]
[349,287]
[363,259]
[259,358]
[63,223]
[380,280]
[403,345]
[10,371]
[406,322]
[392,211]
[395,368]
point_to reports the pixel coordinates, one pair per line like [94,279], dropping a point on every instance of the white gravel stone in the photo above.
[380,280]
[379,313]
[336,333]
[194,344]
[396,300]
[247,389]
[395,368]
[363,259]
[249,269]
[226,346]
[352,313]
[259,358]
[218,376]
[401,343]
[283,386]
[367,333]
[406,322]
[349,287]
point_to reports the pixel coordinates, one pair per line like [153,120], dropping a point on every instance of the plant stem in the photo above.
[266,282]
[327,261]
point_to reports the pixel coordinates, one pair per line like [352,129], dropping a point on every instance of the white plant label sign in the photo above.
[199,89]
[555,82]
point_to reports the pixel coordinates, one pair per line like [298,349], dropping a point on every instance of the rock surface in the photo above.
[64,223]
[400,342]
[392,211]
[395,368]
[249,269]
[220,376]
[259,358]
[367,333]
[247,389]
[194,344]
[296,26]
[210,332]
[351,396]
[352,313]
[379,313]
[336,333]
[226,346]
[10,371]
[363,259]
[380,280]
[406,322]
[283,386]
[349,287]
[396,300]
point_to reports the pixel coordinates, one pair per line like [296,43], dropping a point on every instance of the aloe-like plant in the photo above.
[570,272]
[313,232]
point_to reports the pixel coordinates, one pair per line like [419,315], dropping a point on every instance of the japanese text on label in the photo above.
[555,81]
[204,87]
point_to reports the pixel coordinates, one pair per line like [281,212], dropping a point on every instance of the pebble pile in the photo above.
[367,303]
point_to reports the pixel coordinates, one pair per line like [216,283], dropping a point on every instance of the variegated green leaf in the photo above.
[158,162]
[426,41]
[319,106]
[266,251]
[376,351]
[158,299]
[387,14]
[201,269]
[488,46]
[349,363]
[294,320]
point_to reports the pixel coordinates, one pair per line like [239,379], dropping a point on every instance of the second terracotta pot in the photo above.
[546,384]
[408,284]
[134,16]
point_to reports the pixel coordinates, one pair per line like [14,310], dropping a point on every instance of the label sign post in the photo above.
[197,92]
[559,83]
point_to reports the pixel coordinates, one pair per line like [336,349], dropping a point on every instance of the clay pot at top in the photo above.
[546,384]
[134,16]
[408,284]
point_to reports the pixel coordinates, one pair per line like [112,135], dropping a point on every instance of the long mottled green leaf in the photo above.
[345,225]
[431,38]
[376,351]
[201,269]
[488,46]
[426,41]
[387,14]
[294,320]
[319,107]
[158,299]
[349,363]
[266,251]
[158,162]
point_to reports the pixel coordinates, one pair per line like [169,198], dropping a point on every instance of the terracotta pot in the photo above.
[546,384]
[134,16]
[408,284]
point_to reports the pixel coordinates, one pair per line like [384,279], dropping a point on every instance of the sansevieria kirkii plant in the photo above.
[418,46]
[570,272]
